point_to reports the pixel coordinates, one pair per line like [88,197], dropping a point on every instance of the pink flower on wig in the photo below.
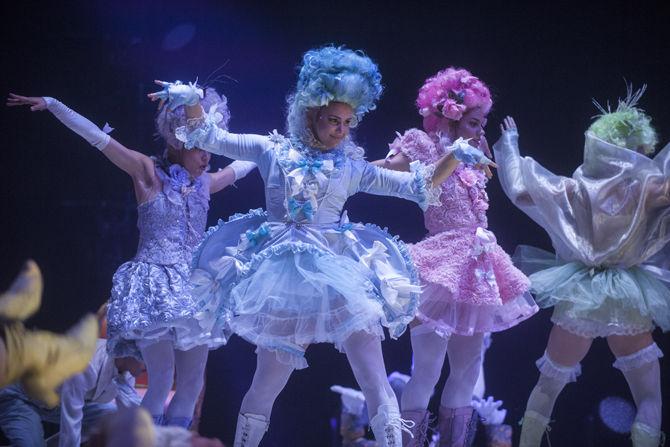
[449,94]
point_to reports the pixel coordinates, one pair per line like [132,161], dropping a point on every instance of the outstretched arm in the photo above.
[202,130]
[137,165]
[229,175]
[398,161]
[395,162]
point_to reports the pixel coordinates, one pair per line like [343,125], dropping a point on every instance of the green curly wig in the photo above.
[627,126]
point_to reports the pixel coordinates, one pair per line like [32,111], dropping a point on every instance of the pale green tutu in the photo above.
[597,301]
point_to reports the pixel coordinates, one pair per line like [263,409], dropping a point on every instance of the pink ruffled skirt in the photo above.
[470,284]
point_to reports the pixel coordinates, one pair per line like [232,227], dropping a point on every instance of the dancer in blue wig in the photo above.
[307,275]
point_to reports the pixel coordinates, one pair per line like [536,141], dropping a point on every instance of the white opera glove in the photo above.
[79,124]
[241,168]
[352,400]
[179,94]
[489,410]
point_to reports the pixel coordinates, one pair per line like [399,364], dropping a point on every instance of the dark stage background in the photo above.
[74,212]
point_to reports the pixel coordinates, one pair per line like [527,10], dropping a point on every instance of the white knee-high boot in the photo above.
[387,426]
[250,430]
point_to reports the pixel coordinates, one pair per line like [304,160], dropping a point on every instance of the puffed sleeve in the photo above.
[415,185]
[204,133]
[415,145]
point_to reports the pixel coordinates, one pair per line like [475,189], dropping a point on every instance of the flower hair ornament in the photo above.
[449,94]
[628,126]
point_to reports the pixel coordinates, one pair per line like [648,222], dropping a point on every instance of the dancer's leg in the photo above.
[364,352]
[465,357]
[159,360]
[269,380]
[637,358]
[428,352]
[558,366]
[456,421]
[190,369]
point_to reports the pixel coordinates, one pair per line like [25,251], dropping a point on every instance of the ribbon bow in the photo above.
[484,242]
[255,237]
[486,275]
[297,208]
[303,166]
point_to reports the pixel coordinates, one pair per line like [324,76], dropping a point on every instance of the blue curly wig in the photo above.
[333,74]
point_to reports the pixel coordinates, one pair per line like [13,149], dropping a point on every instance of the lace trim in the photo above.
[423,178]
[639,358]
[565,374]
[198,129]
[593,329]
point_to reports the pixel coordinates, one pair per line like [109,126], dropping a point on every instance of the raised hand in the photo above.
[508,125]
[490,411]
[177,94]
[36,103]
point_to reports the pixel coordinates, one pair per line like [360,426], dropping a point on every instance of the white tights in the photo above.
[364,353]
[162,360]
[643,374]
[269,379]
[429,350]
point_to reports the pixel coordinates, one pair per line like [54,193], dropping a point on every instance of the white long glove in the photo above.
[79,124]
[242,168]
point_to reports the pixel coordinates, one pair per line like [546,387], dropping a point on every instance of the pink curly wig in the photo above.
[449,94]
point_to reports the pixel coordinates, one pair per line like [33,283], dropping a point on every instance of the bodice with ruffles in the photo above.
[463,200]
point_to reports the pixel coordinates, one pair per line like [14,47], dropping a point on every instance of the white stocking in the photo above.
[270,378]
[643,375]
[465,357]
[553,378]
[190,370]
[159,360]
[364,352]
[428,351]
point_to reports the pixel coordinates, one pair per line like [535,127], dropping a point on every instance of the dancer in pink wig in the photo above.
[470,286]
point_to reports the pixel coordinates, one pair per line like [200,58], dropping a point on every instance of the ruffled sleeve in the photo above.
[204,133]
[415,145]
[414,185]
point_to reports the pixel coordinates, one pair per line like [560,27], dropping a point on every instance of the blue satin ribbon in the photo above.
[296,208]
[255,237]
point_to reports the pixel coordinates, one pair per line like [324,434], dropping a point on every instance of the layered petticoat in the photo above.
[283,286]
[470,283]
[597,301]
[153,302]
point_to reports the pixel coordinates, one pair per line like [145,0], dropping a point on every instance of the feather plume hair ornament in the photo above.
[627,126]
